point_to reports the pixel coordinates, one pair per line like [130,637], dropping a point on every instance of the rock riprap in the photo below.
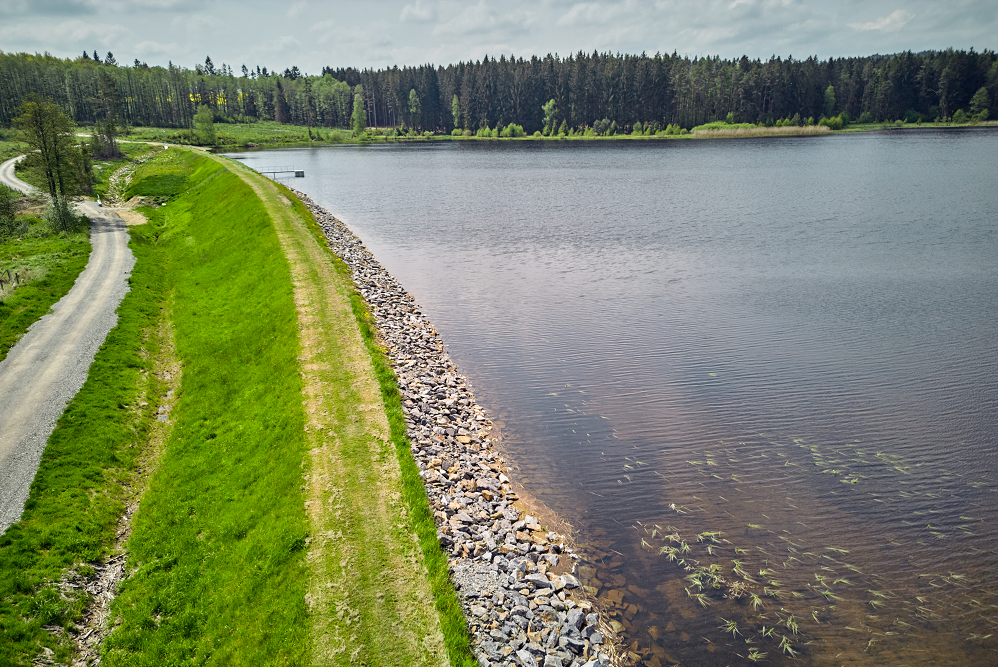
[523,604]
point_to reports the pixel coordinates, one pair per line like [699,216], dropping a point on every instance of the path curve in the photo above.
[46,368]
[8,178]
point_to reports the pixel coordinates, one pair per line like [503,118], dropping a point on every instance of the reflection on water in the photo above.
[759,377]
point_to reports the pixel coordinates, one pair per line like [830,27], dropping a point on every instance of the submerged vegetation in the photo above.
[770,589]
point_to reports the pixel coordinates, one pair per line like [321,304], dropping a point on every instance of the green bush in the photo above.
[513,130]
[457,132]
[960,116]
[62,218]
[866,117]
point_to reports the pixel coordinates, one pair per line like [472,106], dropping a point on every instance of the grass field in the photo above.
[264,133]
[47,266]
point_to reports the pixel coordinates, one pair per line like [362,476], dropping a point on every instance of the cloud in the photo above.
[72,30]
[417,13]
[482,19]
[891,23]
[586,13]
[147,47]
[47,7]
[297,8]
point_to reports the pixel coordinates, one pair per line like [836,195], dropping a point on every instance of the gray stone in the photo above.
[576,618]
[526,658]
[538,581]
[553,661]
[568,581]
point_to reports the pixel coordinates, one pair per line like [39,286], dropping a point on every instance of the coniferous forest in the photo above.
[594,90]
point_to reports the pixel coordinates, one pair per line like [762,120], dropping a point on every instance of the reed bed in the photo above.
[739,132]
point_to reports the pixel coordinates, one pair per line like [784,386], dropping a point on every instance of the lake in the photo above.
[774,356]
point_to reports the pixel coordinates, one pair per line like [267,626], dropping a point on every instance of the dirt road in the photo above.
[50,363]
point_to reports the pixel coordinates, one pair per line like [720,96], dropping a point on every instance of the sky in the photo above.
[381,33]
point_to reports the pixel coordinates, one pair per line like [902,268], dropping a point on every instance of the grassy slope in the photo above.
[219,540]
[53,263]
[83,481]
[371,598]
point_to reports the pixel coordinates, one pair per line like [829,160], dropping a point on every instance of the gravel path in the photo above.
[8,178]
[46,368]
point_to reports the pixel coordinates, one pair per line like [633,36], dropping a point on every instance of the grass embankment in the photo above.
[262,501]
[380,591]
[86,475]
[219,540]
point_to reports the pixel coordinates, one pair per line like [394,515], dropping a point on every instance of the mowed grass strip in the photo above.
[375,596]
[453,623]
[217,552]
[87,472]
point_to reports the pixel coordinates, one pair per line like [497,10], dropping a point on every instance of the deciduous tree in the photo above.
[358,119]
[50,134]
[204,120]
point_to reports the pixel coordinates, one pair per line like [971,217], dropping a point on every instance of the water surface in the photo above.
[788,345]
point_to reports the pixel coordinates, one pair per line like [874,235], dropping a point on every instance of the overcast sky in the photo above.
[381,33]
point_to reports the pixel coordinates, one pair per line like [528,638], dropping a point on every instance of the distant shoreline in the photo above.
[270,135]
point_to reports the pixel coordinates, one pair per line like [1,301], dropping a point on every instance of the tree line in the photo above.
[588,90]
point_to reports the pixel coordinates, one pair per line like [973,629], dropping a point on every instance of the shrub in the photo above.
[513,130]
[61,216]
[866,117]
[468,133]
[960,116]
[457,132]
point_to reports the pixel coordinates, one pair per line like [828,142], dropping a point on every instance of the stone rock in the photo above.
[538,581]
[526,658]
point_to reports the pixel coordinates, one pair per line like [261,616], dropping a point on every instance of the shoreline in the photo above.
[761,132]
[516,580]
